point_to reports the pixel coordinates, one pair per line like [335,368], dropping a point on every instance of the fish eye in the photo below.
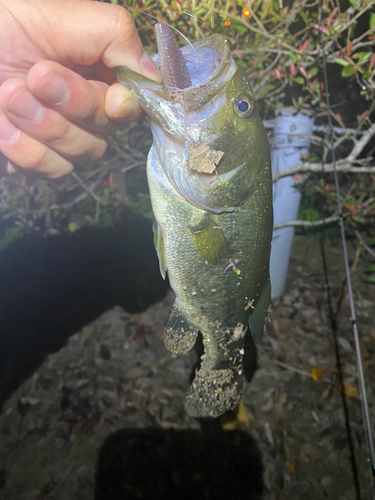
[243,106]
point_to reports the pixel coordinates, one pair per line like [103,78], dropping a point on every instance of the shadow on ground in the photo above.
[135,464]
[51,287]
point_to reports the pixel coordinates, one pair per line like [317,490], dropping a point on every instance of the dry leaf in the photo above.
[242,415]
[307,450]
[326,481]
[289,467]
[202,158]
[317,373]
[350,391]
[232,420]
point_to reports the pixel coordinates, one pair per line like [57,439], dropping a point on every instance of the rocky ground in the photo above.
[104,416]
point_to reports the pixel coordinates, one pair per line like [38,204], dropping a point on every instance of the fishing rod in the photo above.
[353,319]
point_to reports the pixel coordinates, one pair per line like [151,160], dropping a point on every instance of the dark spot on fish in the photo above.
[207,311]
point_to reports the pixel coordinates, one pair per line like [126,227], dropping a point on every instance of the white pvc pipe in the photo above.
[291,139]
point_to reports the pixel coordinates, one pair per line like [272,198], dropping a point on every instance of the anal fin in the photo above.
[179,335]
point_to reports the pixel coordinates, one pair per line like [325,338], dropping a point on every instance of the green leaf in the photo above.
[314,72]
[343,62]
[264,91]
[238,26]
[359,220]
[348,71]
[370,268]
[362,56]
[299,79]
[370,279]
[313,158]
[73,226]
[200,11]
[310,214]
[304,17]
[10,235]
[366,74]
[372,21]
[355,4]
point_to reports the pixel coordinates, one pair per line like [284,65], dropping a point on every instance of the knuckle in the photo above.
[58,133]
[78,144]
[88,149]
[93,111]
[97,150]
[123,23]
[37,158]
[122,15]
[59,169]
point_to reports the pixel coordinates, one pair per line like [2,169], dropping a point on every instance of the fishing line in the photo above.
[164,21]
[362,385]
[334,326]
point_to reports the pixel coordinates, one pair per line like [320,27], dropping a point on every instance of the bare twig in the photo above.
[361,144]
[342,166]
[354,18]
[364,244]
[297,370]
[87,189]
[307,223]
[291,368]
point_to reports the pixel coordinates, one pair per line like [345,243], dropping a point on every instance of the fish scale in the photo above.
[210,185]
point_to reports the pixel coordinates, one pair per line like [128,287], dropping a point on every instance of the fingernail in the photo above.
[25,106]
[149,67]
[8,132]
[57,92]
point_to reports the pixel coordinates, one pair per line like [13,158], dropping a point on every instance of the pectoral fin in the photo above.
[159,245]
[209,240]
[260,318]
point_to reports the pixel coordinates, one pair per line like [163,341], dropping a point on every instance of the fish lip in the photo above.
[196,95]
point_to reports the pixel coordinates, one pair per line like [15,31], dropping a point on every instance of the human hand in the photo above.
[59,97]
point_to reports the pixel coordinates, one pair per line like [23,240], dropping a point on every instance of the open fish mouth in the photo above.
[204,65]
[209,67]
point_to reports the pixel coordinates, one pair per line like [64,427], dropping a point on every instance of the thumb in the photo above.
[98,31]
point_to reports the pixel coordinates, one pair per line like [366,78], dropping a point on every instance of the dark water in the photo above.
[162,464]
[51,287]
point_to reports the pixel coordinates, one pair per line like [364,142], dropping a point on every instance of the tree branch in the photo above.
[307,223]
[364,244]
[361,144]
[341,166]
[344,165]
[86,188]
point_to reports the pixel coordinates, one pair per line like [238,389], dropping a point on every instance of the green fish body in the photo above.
[209,174]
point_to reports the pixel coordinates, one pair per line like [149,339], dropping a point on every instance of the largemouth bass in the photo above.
[209,175]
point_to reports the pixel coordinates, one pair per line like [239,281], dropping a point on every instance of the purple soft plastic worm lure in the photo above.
[172,63]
